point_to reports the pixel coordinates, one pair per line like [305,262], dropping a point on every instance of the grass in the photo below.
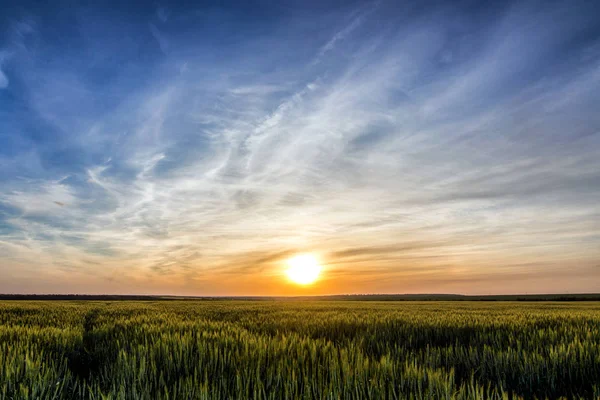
[298,350]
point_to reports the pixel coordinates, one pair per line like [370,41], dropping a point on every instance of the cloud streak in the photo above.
[3,78]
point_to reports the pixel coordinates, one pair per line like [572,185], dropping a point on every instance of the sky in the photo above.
[193,148]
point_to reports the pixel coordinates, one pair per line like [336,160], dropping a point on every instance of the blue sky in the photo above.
[193,148]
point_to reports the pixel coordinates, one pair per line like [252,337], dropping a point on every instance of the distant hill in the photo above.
[100,297]
[348,297]
[459,297]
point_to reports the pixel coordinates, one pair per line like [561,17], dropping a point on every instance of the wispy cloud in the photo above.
[4,55]
[162,13]
[357,19]
[160,38]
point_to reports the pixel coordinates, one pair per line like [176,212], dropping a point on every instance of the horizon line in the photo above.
[459,295]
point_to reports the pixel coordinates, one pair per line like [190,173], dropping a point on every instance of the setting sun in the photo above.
[303,269]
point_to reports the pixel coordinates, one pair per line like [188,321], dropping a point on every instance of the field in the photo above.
[298,349]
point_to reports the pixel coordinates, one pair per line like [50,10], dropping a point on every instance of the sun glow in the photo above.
[303,269]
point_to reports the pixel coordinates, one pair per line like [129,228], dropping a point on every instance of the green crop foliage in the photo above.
[299,350]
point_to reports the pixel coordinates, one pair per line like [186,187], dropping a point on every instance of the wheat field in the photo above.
[298,350]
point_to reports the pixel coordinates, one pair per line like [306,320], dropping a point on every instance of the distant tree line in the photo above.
[350,297]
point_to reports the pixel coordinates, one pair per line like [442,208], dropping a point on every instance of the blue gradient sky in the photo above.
[411,146]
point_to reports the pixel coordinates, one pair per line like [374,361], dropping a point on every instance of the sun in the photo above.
[303,269]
